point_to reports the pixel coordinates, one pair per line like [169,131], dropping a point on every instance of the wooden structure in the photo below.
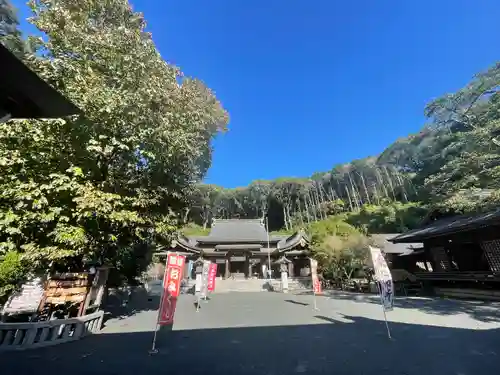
[242,249]
[83,291]
[464,250]
[25,95]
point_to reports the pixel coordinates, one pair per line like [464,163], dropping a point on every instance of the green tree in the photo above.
[340,248]
[10,35]
[12,272]
[110,184]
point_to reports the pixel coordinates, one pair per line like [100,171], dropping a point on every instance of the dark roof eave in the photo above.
[230,241]
[450,226]
[293,241]
[28,94]
[404,238]
[182,243]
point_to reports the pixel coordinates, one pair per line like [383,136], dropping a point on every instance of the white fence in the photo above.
[18,336]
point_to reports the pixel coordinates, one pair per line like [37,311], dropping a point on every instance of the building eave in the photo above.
[183,242]
[450,226]
[297,239]
[26,95]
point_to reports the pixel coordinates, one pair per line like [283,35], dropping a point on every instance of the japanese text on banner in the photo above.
[384,278]
[212,272]
[171,284]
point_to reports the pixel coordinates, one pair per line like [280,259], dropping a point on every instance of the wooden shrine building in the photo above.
[464,250]
[242,249]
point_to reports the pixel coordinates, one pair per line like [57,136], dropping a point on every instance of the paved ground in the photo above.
[271,334]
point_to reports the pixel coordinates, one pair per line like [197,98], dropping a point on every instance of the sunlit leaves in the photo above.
[110,183]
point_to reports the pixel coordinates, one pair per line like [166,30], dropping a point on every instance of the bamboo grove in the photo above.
[451,165]
[299,201]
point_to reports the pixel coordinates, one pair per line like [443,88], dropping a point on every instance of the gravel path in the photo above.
[272,334]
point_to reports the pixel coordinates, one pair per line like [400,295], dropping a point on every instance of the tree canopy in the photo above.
[109,185]
[117,181]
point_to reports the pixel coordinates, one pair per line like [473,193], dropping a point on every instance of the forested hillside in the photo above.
[114,184]
[451,164]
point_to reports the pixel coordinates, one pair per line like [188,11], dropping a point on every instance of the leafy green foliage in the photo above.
[10,35]
[392,217]
[195,230]
[12,272]
[340,248]
[110,185]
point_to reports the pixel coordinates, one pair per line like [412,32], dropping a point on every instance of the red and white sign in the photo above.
[212,272]
[314,276]
[317,286]
[171,288]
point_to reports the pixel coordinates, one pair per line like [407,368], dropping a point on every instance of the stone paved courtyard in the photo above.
[271,334]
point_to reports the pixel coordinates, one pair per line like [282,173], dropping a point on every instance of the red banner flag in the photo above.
[314,276]
[317,286]
[171,288]
[212,272]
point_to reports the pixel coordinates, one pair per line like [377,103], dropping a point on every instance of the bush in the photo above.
[393,217]
[12,273]
[340,248]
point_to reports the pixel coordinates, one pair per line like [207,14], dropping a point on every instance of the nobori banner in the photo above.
[384,278]
[212,272]
[171,288]
[204,278]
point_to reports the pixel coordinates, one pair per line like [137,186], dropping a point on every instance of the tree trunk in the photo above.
[381,182]
[186,214]
[349,198]
[390,182]
[284,216]
[364,186]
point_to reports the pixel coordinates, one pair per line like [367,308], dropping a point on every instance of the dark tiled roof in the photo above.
[449,226]
[236,230]
[238,247]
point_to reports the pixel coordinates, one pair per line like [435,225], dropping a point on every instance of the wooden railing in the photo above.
[18,336]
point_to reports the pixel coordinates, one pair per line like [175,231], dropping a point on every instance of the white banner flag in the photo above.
[384,278]
[284,281]
[204,278]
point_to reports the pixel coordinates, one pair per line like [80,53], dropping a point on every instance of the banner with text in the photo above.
[384,278]
[172,285]
[314,276]
[212,272]
[204,278]
[284,281]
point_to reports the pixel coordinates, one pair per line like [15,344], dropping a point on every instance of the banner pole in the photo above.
[314,298]
[383,309]
[160,308]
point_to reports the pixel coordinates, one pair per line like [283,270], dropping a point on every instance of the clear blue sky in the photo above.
[309,84]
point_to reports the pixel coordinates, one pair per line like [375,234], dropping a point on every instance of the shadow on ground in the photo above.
[485,311]
[347,345]
[121,305]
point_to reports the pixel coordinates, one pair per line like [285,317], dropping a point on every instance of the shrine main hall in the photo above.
[242,248]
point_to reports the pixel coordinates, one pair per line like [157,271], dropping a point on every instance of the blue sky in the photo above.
[310,84]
